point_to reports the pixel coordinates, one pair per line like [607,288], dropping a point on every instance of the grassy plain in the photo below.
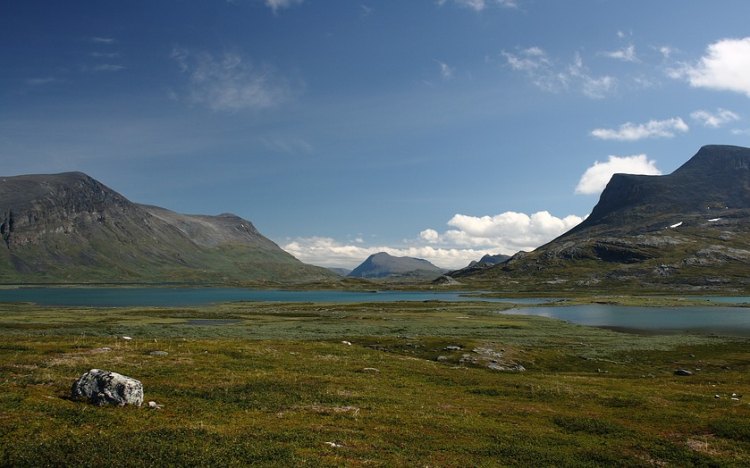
[421,384]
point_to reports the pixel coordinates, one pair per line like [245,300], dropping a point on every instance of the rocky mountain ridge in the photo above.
[689,231]
[71,228]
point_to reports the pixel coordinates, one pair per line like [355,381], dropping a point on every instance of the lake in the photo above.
[185,297]
[720,319]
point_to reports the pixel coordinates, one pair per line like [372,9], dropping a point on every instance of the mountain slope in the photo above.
[689,230]
[382,265]
[71,228]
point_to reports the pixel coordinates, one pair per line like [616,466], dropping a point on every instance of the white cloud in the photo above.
[627,54]
[548,76]
[471,238]
[633,132]
[507,232]
[666,51]
[725,67]
[715,119]
[230,83]
[276,4]
[327,252]
[597,176]
[479,5]
[366,11]
[430,235]
[445,70]
[741,131]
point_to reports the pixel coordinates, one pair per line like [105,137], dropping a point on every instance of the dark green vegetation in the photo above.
[686,231]
[266,384]
[70,228]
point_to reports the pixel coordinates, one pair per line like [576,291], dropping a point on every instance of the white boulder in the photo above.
[103,387]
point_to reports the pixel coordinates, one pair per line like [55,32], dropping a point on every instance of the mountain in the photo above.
[486,262]
[71,228]
[340,271]
[689,230]
[383,265]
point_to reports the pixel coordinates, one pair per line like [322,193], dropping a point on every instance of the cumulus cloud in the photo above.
[430,235]
[715,119]
[229,82]
[549,76]
[469,239]
[725,67]
[507,232]
[327,252]
[633,132]
[597,176]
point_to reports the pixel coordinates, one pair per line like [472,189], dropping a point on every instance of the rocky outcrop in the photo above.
[101,387]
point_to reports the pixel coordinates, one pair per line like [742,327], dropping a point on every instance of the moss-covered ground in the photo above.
[360,385]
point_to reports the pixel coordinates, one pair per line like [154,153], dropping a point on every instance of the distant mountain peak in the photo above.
[382,264]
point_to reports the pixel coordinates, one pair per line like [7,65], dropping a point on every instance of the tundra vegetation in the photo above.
[371,384]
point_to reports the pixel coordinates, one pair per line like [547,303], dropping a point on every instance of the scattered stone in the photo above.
[683,372]
[103,387]
[371,369]
[127,338]
[334,445]
[441,358]
[158,353]
[515,368]
[452,348]
[101,350]
[717,396]
[154,405]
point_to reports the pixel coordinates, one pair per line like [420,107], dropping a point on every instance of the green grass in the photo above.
[279,389]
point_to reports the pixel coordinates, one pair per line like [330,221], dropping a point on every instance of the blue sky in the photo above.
[441,129]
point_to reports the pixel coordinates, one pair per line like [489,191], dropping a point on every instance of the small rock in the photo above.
[683,372]
[717,396]
[127,338]
[515,368]
[334,445]
[158,353]
[441,358]
[101,350]
[346,343]
[154,405]
[452,348]
[371,369]
[103,387]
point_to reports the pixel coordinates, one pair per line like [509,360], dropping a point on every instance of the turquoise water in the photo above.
[720,320]
[184,297]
